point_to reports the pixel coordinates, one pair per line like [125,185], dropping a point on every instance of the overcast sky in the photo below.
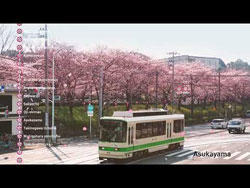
[226,41]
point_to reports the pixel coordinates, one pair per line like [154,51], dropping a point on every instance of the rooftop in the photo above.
[145,118]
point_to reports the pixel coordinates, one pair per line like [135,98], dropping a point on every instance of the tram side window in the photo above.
[162,128]
[138,131]
[155,130]
[150,130]
[145,130]
[178,126]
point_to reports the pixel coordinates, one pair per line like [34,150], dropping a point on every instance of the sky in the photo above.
[226,41]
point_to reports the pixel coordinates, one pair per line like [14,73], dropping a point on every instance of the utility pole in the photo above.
[53,102]
[53,98]
[172,97]
[156,89]
[100,94]
[219,92]
[91,94]
[243,98]
[131,95]
[90,126]
[46,88]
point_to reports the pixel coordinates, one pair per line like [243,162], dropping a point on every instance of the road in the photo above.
[203,139]
[200,138]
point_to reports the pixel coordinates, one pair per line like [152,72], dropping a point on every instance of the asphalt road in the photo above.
[200,138]
[203,139]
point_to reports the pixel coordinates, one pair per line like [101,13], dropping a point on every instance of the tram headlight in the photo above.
[116,149]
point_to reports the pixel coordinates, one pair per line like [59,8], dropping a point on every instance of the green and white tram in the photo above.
[132,136]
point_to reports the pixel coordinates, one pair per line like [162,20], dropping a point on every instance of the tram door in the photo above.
[131,137]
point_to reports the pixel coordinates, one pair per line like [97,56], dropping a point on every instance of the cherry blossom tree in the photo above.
[129,77]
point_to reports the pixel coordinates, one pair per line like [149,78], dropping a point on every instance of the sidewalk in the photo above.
[73,151]
[40,143]
[32,144]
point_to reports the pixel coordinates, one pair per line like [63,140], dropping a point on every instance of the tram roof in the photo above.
[145,118]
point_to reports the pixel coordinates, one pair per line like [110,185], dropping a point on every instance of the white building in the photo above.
[213,62]
[8,100]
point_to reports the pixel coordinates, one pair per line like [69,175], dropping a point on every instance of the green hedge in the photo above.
[68,126]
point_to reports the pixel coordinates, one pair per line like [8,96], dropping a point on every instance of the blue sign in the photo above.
[90,107]
[2,88]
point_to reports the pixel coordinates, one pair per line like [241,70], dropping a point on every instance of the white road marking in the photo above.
[94,161]
[233,155]
[82,160]
[186,153]
[243,156]
[175,153]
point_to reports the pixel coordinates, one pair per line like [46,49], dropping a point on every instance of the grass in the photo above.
[72,126]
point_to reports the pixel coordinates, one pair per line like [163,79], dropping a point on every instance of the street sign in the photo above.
[90,110]
[57,98]
[90,113]
[90,107]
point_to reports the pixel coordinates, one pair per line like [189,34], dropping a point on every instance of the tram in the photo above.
[134,134]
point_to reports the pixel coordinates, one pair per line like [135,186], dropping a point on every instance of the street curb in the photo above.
[211,133]
[205,134]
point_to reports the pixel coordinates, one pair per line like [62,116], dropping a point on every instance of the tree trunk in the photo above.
[192,106]
[235,104]
[243,106]
[204,103]
[192,97]
[215,104]
[179,103]
[130,101]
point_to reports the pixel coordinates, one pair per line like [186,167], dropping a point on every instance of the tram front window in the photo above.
[113,131]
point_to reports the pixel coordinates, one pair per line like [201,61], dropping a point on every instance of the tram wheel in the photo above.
[138,154]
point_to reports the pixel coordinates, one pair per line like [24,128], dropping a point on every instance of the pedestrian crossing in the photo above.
[189,154]
[243,156]
[186,153]
[172,154]
[232,155]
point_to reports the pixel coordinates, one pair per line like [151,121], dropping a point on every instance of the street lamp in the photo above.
[156,89]
[173,63]
[53,98]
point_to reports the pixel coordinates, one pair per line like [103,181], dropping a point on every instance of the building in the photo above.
[213,62]
[8,101]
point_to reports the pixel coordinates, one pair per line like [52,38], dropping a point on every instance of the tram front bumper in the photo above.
[114,155]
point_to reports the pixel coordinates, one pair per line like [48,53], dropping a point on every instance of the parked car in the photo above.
[248,114]
[236,125]
[219,123]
